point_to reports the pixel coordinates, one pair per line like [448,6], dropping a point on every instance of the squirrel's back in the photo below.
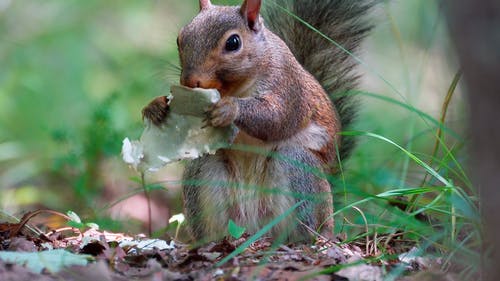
[343,21]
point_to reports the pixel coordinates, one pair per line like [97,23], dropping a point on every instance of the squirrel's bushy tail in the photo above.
[344,21]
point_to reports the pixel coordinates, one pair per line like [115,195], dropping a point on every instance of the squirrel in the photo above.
[275,87]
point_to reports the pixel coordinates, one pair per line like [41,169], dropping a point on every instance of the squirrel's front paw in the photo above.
[157,110]
[223,113]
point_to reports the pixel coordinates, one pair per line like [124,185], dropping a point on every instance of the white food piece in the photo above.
[181,136]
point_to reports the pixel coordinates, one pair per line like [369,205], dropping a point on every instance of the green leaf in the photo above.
[53,260]
[74,217]
[430,170]
[235,230]
[92,225]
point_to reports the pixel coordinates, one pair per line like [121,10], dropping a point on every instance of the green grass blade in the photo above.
[409,154]
[410,108]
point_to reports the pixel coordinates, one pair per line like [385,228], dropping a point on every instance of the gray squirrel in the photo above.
[281,89]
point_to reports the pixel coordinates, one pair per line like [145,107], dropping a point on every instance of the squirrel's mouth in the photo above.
[226,87]
[201,82]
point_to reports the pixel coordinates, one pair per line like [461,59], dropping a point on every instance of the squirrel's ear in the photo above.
[204,4]
[250,10]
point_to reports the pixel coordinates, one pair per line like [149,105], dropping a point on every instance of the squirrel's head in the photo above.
[221,46]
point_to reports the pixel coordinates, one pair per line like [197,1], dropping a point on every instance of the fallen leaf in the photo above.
[53,260]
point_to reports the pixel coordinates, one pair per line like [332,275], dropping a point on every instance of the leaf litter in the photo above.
[72,254]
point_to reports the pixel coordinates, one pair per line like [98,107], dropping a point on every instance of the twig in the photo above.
[294,252]
[31,215]
[314,232]
[80,234]
[390,237]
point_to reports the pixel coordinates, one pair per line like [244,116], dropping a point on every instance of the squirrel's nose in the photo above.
[199,81]
[191,81]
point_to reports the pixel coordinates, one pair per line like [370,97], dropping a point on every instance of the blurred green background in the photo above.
[74,76]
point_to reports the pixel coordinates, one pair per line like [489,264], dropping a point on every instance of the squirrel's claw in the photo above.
[157,110]
[205,121]
[223,113]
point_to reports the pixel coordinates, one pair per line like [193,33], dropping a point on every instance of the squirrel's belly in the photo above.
[261,190]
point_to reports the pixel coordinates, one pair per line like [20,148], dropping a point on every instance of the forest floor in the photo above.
[71,254]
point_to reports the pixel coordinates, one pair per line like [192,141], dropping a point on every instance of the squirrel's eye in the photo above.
[233,43]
